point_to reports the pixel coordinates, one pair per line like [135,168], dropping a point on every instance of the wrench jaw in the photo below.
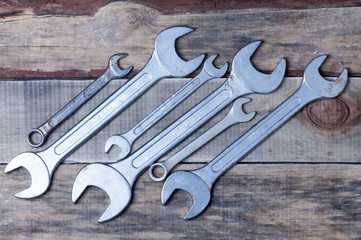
[212,70]
[40,177]
[121,142]
[251,78]
[318,84]
[114,66]
[167,56]
[110,181]
[192,184]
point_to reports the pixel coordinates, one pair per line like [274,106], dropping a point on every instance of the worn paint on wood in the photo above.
[26,104]
[80,46]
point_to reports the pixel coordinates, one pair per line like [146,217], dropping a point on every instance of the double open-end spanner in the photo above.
[126,140]
[113,71]
[164,62]
[117,179]
[235,115]
[199,182]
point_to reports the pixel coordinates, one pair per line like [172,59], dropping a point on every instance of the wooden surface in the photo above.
[302,183]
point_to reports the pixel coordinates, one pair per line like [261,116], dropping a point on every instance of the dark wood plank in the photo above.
[26,104]
[72,46]
[277,201]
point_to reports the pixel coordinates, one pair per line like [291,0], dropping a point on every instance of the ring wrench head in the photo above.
[108,179]
[251,78]
[40,177]
[192,184]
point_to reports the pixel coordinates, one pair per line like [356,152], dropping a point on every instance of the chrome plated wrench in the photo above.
[164,62]
[126,140]
[199,182]
[117,179]
[113,71]
[235,115]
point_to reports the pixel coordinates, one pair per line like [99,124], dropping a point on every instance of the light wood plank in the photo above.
[254,201]
[80,46]
[26,104]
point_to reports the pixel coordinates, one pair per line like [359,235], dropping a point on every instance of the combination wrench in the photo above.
[235,115]
[112,72]
[125,141]
[164,62]
[199,182]
[117,179]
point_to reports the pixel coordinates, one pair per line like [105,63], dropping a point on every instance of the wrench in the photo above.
[164,62]
[113,71]
[117,179]
[235,115]
[199,182]
[126,140]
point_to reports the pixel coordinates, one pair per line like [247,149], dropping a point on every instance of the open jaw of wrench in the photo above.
[117,179]
[235,115]
[125,141]
[199,182]
[113,71]
[164,62]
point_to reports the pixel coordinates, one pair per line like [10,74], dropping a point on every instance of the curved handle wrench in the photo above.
[117,179]
[125,141]
[164,62]
[235,115]
[113,71]
[199,182]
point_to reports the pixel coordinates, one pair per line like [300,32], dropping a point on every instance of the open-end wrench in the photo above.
[199,182]
[125,141]
[235,115]
[117,179]
[164,62]
[113,71]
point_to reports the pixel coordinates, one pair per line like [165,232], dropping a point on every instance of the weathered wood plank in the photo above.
[73,46]
[252,201]
[88,7]
[26,104]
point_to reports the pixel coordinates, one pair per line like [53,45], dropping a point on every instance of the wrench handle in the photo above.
[166,107]
[254,136]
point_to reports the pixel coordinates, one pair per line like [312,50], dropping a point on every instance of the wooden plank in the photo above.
[72,46]
[26,104]
[88,7]
[252,201]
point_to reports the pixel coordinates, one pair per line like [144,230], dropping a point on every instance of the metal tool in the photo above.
[199,182]
[113,71]
[126,140]
[117,179]
[235,115]
[164,62]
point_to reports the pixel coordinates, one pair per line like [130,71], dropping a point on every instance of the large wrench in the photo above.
[164,62]
[126,140]
[235,115]
[113,71]
[117,179]
[199,182]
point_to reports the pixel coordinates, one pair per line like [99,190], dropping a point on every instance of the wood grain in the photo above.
[27,104]
[80,46]
[252,201]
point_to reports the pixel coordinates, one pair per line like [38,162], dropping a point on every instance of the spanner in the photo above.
[164,62]
[126,140]
[235,115]
[117,179]
[199,182]
[113,71]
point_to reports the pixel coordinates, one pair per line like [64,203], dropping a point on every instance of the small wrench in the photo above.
[117,179]
[164,62]
[113,71]
[126,140]
[199,182]
[235,115]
